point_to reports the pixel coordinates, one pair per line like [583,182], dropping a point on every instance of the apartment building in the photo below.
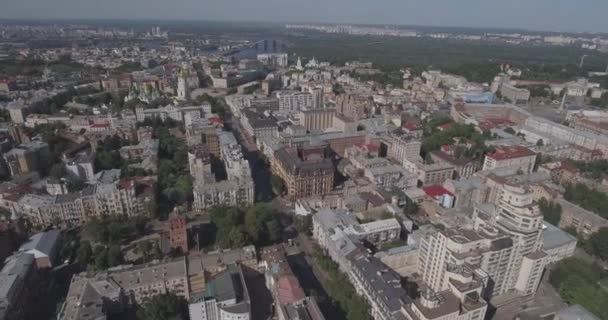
[236,189]
[316,120]
[27,157]
[518,157]
[294,101]
[112,292]
[226,297]
[311,176]
[176,113]
[130,197]
[505,245]
[403,147]
[584,221]
[514,94]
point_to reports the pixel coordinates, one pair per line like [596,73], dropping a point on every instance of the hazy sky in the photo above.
[558,15]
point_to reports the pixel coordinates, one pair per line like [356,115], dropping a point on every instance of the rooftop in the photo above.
[510,152]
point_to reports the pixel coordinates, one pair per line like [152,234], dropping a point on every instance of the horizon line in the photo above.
[90,19]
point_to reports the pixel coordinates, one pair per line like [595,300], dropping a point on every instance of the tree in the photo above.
[597,244]
[576,280]
[540,143]
[551,211]
[115,257]
[275,231]
[304,224]
[167,306]
[238,237]
[509,130]
[278,185]
[84,252]
[410,208]
[101,258]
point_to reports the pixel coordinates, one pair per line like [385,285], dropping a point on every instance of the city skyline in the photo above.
[560,16]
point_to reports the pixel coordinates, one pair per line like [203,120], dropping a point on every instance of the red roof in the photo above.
[436,191]
[409,125]
[100,125]
[493,123]
[510,152]
[216,120]
[289,289]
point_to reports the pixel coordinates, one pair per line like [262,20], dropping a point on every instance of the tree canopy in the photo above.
[590,199]
[258,224]
[577,283]
[167,306]
[552,212]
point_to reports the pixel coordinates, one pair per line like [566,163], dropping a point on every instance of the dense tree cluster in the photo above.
[218,106]
[478,61]
[595,169]
[235,226]
[590,199]
[340,289]
[107,235]
[577,282]
[434,138]
[166,306]
[552,212]
[394,78]
[107,155]
[129,67]
[277,184]
[597,244]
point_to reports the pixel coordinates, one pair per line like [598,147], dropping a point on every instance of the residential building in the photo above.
[303,177]
[237,189]
[273,59]
[402,148]
[464,168]
[518,157]
[259,124]
[514,94]
[584,221]
[557,243]
[504,244]
[27,157]
[21,275]
[130,197]
[226,297]
[434,174]
[110,293]
[176,113]
[316,120]
[294,101]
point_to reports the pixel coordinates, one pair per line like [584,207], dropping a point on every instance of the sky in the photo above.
[552,15]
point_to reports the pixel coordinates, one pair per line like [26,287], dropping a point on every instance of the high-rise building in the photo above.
[504,246]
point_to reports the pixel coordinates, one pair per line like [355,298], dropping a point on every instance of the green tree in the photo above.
[167,306]
[304,224]
[278,185]
[540,143]
[101,258]
[597,244]
[576,280]
[115,257]
[551,211]
[84,252]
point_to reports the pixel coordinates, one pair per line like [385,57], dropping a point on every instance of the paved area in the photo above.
[546,301]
